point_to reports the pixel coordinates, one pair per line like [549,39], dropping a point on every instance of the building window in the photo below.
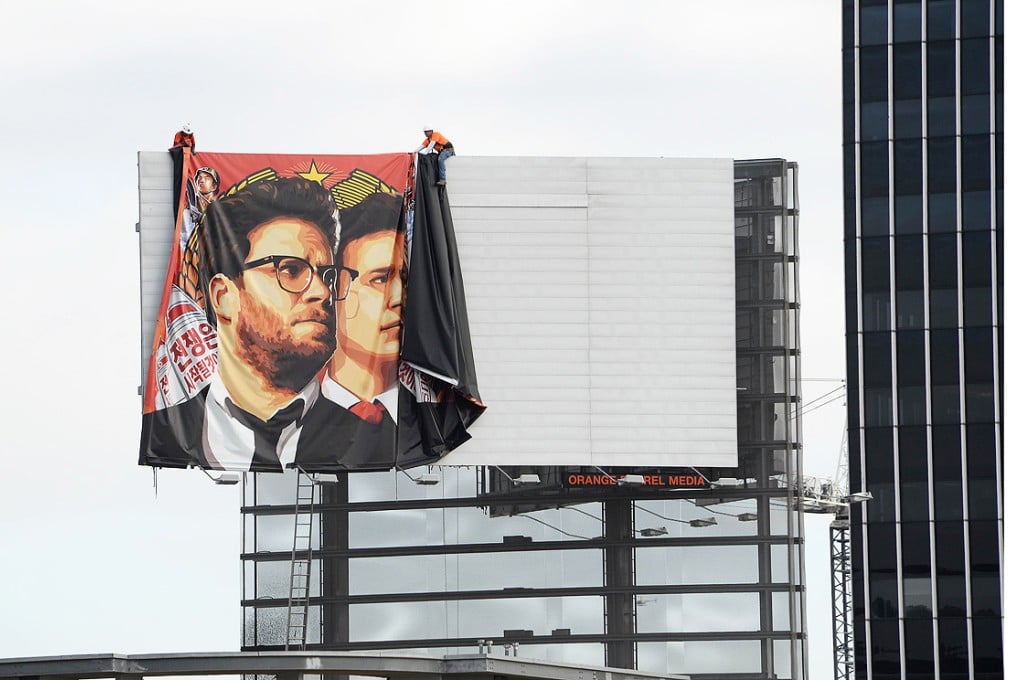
[874,26]
[977,352]
[984,547]
[910,355]
[874,169]
[914,501]
[944,311]
[875,264]
[977,306]
[953,658]
[982,499]
[975,69]
[884,596]
[947,471]
[945,404]
[875,216]
[942,166]
[882,507]
[874,121]
[984,595]
[948,499]
[747,282]
[974,18]
[977,210]
[909,262]
[910,309]
[906,22]
[942,213]
[908,166]
[913,466]
[976,158]
[980,400]
[919,646]
[907,118]
[742,230]
[975,114]
[941,116]
[945,355]
[942,270]
[952,595]
[745,328]
[916,550]
[878,359]
[906,71]
[941,72]
[909,214]
[977,260]
[941,20]
[949,555]
[875,311]
[982,445]
[885,648]
[878,407]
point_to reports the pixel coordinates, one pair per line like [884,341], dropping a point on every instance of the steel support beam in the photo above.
[842,598]
[297,664]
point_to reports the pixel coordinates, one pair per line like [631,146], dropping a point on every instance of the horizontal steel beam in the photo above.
[295,664]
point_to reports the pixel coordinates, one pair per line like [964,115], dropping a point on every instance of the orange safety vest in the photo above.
[183,138]
[441,141]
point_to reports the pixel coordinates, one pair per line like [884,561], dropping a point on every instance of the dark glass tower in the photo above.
[922,140]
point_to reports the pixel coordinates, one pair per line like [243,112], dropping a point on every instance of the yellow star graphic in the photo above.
[314,174]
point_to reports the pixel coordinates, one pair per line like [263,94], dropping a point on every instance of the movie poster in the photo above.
[286,302]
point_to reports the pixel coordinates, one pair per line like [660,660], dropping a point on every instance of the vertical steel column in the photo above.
[842,597]
[335,621]
[619,575]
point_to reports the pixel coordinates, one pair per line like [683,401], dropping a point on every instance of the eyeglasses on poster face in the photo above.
[294,274]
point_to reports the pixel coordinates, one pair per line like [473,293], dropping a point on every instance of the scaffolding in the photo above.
[825,496]
[842,597]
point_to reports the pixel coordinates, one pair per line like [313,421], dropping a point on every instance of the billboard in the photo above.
[601,294]
[288,292]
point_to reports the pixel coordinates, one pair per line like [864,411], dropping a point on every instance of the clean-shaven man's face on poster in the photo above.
[370,319]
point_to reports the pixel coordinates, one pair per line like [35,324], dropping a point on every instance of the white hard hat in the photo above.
[426,128]
[186,128]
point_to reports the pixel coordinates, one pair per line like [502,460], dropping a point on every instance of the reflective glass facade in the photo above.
[698,581]
[922,93]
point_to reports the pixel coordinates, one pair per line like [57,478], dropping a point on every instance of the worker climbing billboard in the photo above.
[290,288]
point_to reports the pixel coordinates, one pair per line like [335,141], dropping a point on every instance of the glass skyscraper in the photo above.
[923,179]
[706,581]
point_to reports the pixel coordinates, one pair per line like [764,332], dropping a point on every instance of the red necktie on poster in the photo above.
[369,411]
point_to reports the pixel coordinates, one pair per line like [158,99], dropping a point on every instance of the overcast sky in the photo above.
[95,561]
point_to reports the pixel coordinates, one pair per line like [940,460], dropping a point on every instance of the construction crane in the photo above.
[831,496]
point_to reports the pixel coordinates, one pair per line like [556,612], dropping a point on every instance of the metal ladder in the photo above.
[301,563]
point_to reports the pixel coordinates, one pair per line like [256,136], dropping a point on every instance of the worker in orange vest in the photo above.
[184,138]
[435,142]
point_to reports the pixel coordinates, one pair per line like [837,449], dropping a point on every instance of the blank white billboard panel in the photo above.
[601,300]
[155,237]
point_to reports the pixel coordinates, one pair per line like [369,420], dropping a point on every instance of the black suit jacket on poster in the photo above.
[175,437]
[332,438]
[365,446]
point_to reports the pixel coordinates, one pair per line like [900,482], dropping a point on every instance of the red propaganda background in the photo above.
[278,342]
